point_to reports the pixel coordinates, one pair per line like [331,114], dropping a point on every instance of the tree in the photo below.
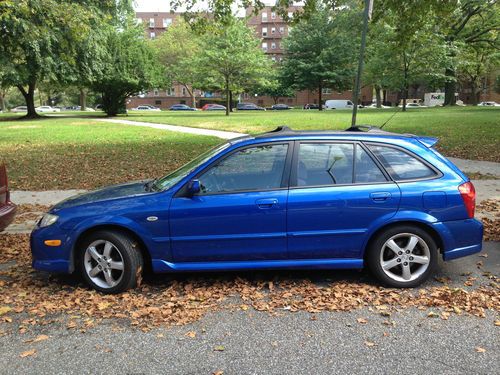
[320,53]
[129,67]
[231,60]
[40,39]
[276,88]
[177,49]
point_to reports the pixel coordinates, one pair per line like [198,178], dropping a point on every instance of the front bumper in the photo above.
[57,259]
[460,238]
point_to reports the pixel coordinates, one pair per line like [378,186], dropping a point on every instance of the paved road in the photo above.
[251,342]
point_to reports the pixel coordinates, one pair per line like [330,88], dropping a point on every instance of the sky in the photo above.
[162,5]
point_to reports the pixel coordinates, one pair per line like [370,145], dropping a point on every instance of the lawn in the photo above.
[470,132]
[69,153]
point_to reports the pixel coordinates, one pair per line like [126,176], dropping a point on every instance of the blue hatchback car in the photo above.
[284,199]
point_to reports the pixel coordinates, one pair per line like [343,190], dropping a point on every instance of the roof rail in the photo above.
[362,128]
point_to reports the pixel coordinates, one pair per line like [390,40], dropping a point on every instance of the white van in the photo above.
[338,104]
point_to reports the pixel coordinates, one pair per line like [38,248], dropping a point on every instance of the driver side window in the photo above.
[253,168]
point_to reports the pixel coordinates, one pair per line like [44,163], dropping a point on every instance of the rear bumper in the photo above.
[460,238]
[7,214]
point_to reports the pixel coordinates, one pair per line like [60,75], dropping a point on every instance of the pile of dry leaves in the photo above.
[30,298]
[489,212]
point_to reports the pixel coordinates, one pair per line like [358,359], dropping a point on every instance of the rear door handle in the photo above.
[266,202]
[380,196]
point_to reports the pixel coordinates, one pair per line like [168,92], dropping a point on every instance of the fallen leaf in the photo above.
[480,350]
[483,255]
[218,372]
[191,334]
[4,310]
[219,348]
[41,338]
[362,320]
[497,323]
[432,314]
[28,353]
[370,343]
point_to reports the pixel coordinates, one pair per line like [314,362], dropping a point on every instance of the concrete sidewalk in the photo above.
[175,128]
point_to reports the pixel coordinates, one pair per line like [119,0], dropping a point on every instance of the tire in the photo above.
[403,256]
[110,261]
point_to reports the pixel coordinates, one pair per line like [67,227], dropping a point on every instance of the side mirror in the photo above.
[194,187]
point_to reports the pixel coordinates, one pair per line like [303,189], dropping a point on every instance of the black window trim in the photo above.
[285,179]
[437,173]
[293,174]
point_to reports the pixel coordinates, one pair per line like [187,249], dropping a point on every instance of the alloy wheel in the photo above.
[104,264]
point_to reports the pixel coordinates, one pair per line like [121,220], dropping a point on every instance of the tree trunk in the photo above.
[29,97]
[320,95]
[450,87]
[230,100]
[378,97]
[83,100]
[384,97]
[475,92]
[227,97]
[191,94]
[405,96]
[2,101]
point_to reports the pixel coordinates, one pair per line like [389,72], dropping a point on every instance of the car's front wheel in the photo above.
[403,256]
[110,261]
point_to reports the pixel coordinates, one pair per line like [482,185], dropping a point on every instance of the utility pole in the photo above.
[357,84]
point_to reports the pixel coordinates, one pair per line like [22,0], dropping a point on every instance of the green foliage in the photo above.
[129,67]
[231,60]
[321,51]
[177,49]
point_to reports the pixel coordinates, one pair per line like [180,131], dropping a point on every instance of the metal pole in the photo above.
[357,85]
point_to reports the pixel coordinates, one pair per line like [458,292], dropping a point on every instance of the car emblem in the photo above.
[152,218]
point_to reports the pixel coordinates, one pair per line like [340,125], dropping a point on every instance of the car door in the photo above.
[337,191]
[240,212]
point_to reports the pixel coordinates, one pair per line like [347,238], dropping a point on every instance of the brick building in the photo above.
[270,28]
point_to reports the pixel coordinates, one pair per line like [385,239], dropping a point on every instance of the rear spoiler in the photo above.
[427,141]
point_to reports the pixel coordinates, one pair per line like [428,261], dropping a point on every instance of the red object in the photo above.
[7,208]
[468,193]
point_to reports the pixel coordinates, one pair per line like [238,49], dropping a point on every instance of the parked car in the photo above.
[19,109]
[213,107]
[181,107]
[249,107]
[338,104]
[47,108]
[415,105]
[374,105]
[98,107]
[72,108]
[311,106]
[280,107]
[146,108]
[284,199]
[7,208]
[489,104]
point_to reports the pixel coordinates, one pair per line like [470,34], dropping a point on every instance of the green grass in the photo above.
[69,153]
[466,132]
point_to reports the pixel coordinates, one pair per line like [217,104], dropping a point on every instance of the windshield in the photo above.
[168,181]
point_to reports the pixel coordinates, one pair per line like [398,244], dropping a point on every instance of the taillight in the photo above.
[469,196]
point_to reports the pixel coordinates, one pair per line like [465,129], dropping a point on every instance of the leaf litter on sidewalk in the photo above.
[29,298]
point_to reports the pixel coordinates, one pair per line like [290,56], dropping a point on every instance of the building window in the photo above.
[151,22]
[264,31]
[273,45]
[273,15]
[157,102]
[264,17]
[155,92]
[326,90]
[167,22]
[152,35]
[273,30]
[171,91]
[289,100]
[282,30]
[183,91]
[264,46]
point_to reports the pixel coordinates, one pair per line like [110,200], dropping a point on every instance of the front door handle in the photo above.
[380,196]
[266,202]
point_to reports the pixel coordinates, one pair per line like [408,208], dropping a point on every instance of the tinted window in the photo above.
[325,164]
[366,171]
[400,165]
[255,168]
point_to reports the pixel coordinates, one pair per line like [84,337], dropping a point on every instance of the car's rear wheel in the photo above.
[110,261]
[403,256]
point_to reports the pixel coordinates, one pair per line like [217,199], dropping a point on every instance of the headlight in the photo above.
[48,219]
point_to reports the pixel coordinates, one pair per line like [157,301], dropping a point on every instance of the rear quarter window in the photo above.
[401,165]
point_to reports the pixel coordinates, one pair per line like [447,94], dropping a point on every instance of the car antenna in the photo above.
[390,118]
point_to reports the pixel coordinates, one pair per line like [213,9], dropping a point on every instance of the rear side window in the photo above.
[365,170]
[400,165]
